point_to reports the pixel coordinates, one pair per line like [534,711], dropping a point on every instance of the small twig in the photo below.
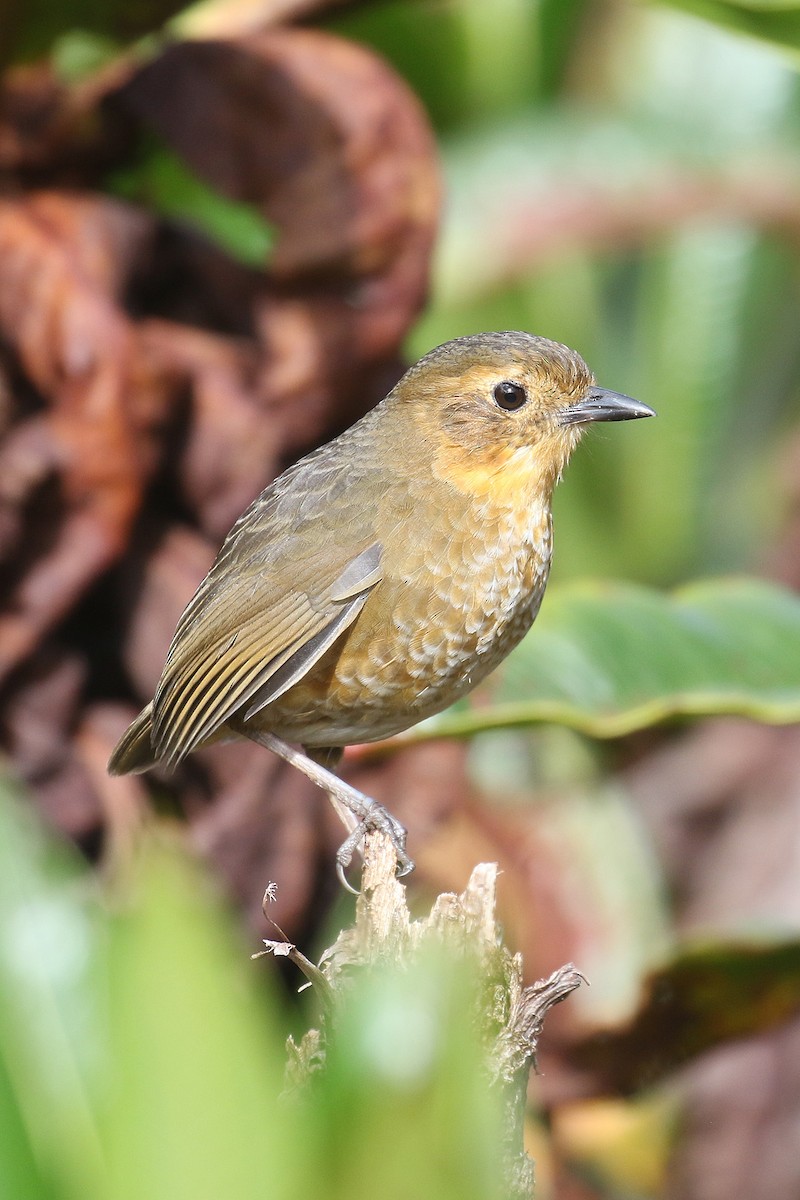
[286,949]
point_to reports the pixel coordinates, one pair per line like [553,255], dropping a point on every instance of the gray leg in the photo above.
[367,813]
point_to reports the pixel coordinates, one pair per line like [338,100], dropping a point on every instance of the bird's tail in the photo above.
[134,750]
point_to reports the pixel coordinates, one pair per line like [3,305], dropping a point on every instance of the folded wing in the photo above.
[276,599]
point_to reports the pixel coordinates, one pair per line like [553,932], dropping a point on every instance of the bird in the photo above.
[385,574]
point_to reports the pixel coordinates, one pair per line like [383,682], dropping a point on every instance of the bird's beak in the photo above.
[601,405]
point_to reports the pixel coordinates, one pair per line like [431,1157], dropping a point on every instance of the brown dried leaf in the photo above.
[34,105]
[425,790]
[266,824]
[39,720]
[336,151]
[64,257]
[317,132]
[122,802]
[231,447]
[723,804]
[708,995]
[162,586]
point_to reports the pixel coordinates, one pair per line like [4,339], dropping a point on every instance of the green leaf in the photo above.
[76,55]
[31,26]
[50,1145]
[560,27]
[464,60]
[776,21]
[197,1065]
[163,181]
[610,658]
[140,1053]
[403,1102]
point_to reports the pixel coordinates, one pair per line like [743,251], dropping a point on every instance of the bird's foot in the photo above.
[365,812]
[371,817]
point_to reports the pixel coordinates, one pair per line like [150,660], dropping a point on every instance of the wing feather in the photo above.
[213,672]
[294,572]
[212,698]
[303,657]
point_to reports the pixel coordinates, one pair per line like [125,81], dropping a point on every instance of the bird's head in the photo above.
[505,410]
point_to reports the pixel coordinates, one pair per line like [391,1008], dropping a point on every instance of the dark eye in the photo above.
[510,396]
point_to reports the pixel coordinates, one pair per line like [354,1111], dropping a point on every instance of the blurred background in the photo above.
[224,230]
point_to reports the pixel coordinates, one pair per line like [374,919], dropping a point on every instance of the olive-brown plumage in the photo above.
[385,574]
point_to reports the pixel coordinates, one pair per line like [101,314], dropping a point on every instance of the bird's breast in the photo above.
[458,593]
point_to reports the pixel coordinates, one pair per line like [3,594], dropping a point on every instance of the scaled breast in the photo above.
[464,602]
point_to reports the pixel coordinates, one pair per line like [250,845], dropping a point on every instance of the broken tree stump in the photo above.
[507,1015]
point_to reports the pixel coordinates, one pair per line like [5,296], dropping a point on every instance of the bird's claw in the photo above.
[379,820]
[343,880]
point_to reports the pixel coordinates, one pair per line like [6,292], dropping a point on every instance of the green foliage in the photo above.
[775,21]
[407,1109]
[141,1053]
[163,181]
[465,61]
[77,54]
[192,1106]
[620,210]
[49,1017]
[611,658]
[33,25]
[470,61]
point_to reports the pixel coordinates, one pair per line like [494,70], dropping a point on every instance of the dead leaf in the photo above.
[231,447]
[161,585]
[63,259]
[336,151]
[706,996]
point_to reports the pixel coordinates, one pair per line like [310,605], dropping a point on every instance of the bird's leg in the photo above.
[368,814]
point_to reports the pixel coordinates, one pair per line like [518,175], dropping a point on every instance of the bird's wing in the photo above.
[284,587]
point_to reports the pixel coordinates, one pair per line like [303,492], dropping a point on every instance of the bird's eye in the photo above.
[509,395]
